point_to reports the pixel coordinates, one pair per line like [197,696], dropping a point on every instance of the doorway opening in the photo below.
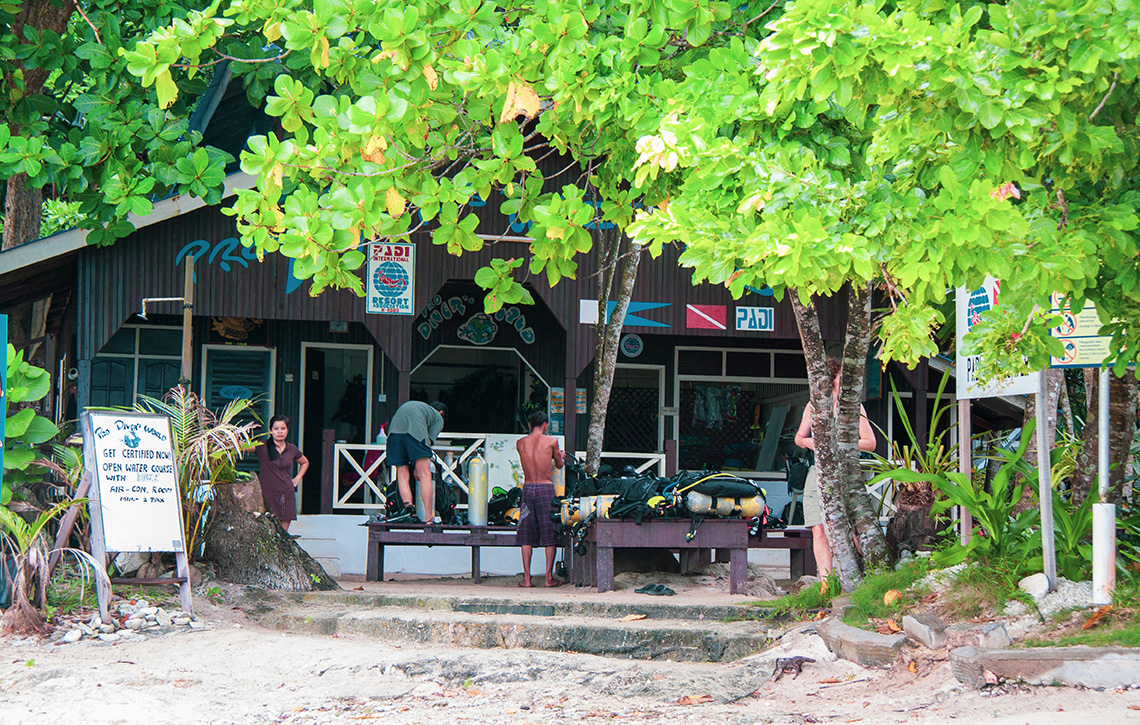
[336,394]
[487,390]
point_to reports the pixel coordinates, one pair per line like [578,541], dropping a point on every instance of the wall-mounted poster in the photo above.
[391,279]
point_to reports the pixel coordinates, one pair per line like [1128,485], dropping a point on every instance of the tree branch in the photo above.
[1111,88]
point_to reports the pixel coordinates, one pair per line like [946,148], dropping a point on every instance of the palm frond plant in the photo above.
[207,447]
[26,544]
[935,458]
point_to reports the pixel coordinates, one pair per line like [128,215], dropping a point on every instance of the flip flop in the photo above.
[645,589]
[557,583]
[660,590]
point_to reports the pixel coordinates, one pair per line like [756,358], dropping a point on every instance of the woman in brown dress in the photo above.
[278,484]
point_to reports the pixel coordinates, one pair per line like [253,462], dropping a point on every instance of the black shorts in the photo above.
[404,450]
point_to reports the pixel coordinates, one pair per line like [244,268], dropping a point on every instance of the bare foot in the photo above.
[524,583]
[554,582]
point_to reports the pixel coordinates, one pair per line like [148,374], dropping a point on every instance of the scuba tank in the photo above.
[586,508]
[477,490]
[745,508]
[558,476]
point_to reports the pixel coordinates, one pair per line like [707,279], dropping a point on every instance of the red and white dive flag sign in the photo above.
[706,317]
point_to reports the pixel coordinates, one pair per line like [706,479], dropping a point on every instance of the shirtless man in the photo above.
[537,451]
[813,511]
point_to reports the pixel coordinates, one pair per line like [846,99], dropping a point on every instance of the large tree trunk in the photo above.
[829,454]
[1121,429]
[608,338]
[250,547]
[869,535]
[23,206]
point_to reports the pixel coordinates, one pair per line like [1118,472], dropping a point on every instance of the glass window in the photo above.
[700,362]
[160,341]
[740,364]
[122,342]
[111,382]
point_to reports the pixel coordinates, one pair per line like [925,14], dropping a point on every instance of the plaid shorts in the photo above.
[536,527]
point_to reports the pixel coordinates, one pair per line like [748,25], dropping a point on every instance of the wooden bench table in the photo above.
[605,535]
[381,534]
[798,542]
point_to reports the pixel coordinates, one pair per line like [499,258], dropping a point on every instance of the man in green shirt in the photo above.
[413,429]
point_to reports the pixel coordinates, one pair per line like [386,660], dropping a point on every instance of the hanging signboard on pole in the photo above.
[1085,347]
[391,282]
[970,306]
[135,501]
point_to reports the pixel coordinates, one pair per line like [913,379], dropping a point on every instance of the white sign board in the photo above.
[1079,333]
[970,306]
[755,319]
[503,466]
[391,282]
[136,494]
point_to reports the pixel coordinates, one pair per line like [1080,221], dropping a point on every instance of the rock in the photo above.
[868,649]
[995,636]
[73,636]
[180,621]
[162,617]
[135,624]
[804,581]
[841,605]
[197,625]
[130,636]
[1094,667]
[141,604]
[107,628]
[109,637]
[85,629]
[926,629]
[57,635]
[130,562]
[148,611]
[1036,585]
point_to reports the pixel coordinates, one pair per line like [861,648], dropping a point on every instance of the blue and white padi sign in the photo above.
[755,319]
[391,282]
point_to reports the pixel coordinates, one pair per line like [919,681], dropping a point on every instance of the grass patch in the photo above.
[868,596]
[983,589]
[802,605]
[1120,627]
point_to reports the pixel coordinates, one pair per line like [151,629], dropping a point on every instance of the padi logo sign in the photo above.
[755,319]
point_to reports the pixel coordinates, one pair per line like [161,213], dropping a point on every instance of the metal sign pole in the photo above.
[1045,482]
[1104,514]
[965,467]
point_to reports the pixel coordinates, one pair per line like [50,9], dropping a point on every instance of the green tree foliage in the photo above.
[24,429]
[395,117]
[917,146]
[76,119]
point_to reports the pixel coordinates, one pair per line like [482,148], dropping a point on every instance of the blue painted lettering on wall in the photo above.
[439,310]
[235,392]
[226,252]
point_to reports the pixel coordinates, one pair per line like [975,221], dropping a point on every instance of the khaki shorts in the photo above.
[813,512]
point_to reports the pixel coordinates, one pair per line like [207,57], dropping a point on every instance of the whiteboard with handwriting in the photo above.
[136,496]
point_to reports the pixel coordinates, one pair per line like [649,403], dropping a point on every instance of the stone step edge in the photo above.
[647,641]
[1092,667]
[459,603]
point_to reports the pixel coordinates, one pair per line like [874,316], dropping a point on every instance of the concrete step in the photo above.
[655,608]
[502,625]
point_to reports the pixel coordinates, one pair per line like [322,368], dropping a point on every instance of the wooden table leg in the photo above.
[371,572]
[605,568]
[476,572]
[796,563]
[738,572]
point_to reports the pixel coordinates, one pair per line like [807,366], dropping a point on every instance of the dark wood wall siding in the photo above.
[230,281]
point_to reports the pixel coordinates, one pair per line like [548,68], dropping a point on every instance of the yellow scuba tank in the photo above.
[586,508]
[477,490]
[745,508]
[512,515]
[558,476]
